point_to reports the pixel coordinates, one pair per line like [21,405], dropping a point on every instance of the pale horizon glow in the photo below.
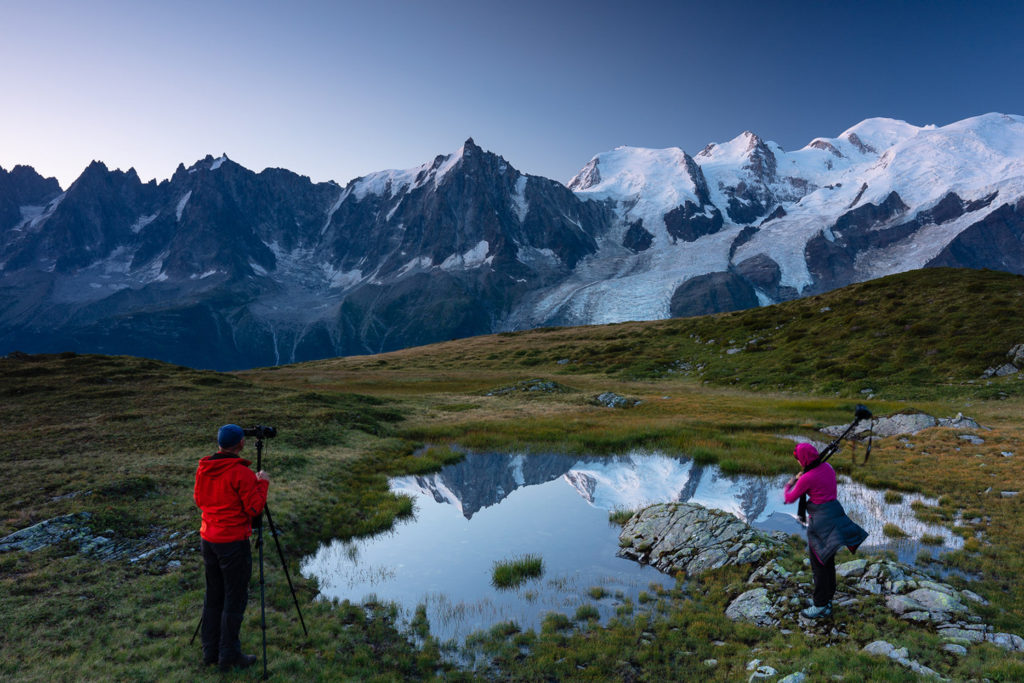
[337,90]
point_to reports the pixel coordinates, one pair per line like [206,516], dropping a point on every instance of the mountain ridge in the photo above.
[219,266]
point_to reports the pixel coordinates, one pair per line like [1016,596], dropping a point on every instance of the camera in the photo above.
[862,412]
[261,432]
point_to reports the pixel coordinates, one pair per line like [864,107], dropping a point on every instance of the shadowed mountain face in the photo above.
[225,268]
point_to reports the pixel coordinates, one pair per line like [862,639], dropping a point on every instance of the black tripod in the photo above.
[280,554]
[860,413]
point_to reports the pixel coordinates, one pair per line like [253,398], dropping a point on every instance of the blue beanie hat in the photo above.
[229,435]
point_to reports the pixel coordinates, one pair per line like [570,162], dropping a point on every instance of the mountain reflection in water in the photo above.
[490,507]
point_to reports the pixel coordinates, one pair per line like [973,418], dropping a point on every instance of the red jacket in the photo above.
[230,495]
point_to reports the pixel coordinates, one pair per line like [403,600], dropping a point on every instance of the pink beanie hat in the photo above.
[805,454]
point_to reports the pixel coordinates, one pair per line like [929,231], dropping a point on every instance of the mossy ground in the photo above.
[124,434]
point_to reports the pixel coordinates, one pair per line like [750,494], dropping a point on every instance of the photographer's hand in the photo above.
[263,476]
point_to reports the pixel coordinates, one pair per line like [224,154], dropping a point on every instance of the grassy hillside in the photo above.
[119,437]
[912,334]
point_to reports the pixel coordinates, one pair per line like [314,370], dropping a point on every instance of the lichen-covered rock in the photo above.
[770,572]
[879,647]
[610,399]
[686,537]
[1016,357]
[938,603]
[160,546]
[755,606]
[962,635]
[1007,641]
[958,422]
[49,532]
[853,568]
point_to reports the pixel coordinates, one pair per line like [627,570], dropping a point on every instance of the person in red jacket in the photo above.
[230,496]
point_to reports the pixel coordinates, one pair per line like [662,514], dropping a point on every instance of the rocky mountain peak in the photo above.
[93,170]
[760,158]
[588,176]
[22,185]
[752,138]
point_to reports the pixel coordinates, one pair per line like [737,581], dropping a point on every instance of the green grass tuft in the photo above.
[893,531]
[620,516]
[893,497]
[512,573]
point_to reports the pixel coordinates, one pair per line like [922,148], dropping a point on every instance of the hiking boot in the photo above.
[243,662]
[815,612]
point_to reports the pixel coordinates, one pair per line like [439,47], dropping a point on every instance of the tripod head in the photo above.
[260,432]
[860,413]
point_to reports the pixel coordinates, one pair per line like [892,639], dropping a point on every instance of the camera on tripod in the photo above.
[261,432]
[862,412]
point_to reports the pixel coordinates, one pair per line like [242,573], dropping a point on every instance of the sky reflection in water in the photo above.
[492,507]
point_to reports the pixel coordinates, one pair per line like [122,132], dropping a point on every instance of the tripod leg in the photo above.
[284,565]
[196,633]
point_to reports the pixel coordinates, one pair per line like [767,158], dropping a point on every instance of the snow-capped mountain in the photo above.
[226,268]
[745,223]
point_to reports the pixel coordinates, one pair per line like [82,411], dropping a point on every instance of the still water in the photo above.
[496,507]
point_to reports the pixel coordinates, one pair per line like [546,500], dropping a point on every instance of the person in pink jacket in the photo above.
[828,527]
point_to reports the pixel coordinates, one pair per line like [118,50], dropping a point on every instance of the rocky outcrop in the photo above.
[996,241]
[711,293]
[637,238]
[160,546]
[686,537]
[832,255]
[904,423]
[766,276]
[689,222]
[777,595]
[1013,365]
[902,657]
[610,399]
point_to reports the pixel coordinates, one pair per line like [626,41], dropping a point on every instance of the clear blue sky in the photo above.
[339,89]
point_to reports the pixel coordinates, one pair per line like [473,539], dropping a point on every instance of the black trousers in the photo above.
[824,579]
[228,570]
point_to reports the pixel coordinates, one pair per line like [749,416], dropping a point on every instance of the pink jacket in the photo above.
[819,483]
